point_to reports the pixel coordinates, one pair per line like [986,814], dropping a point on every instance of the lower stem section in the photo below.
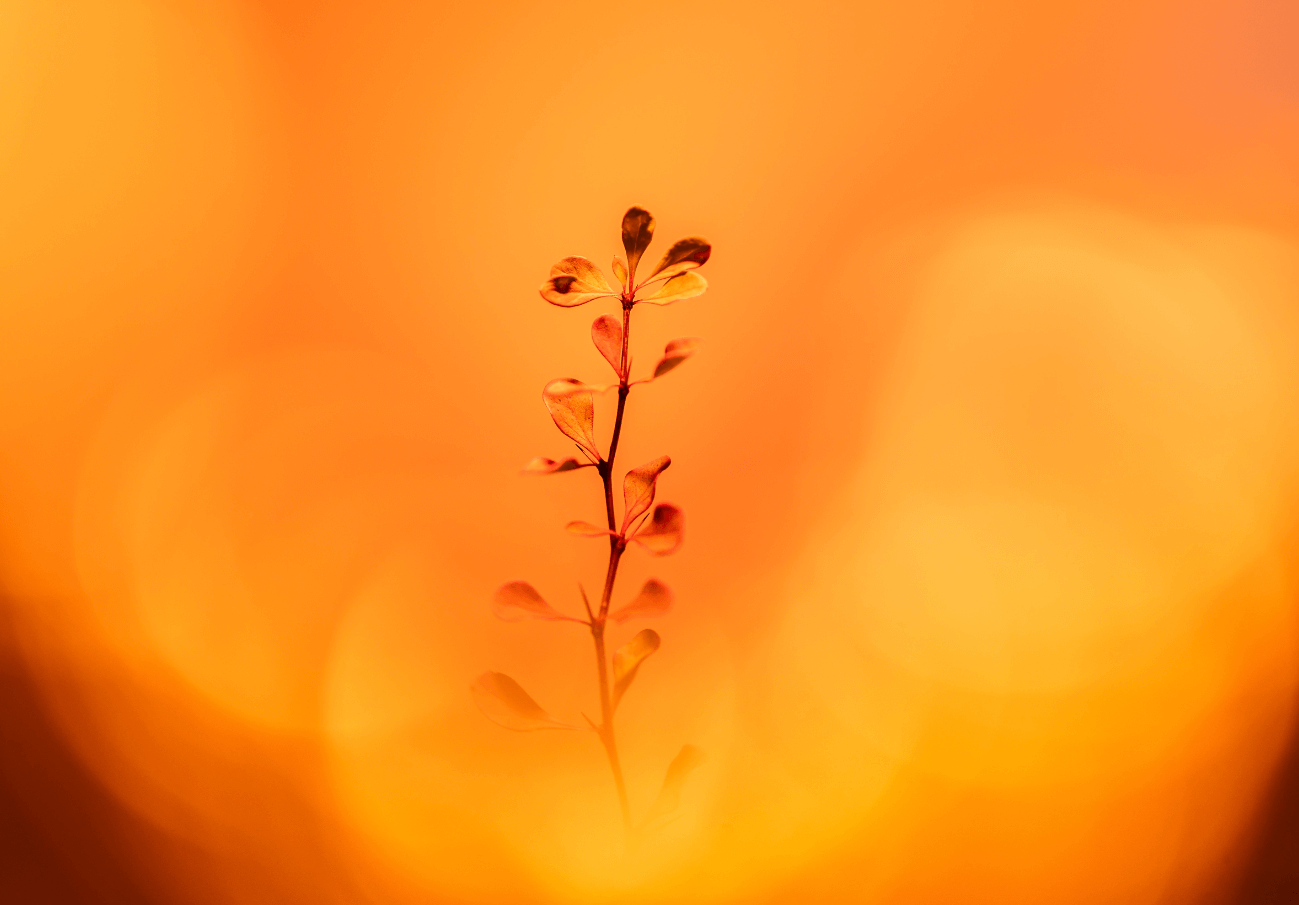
[616,547]
[607,737]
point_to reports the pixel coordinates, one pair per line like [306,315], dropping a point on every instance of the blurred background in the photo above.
[988,462]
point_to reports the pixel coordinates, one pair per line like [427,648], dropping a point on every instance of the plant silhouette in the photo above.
[657,528]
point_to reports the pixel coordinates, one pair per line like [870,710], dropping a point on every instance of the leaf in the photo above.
[586,529]
[682,286]
[627,661]
[570,405]
[676,352]
[654,599]
[606,333]
[637,231]
[519,600]
[688,759]
[575,281]
[662,534]
[638,489]
[541,465]
[620,271]
[505,703]
[685,254]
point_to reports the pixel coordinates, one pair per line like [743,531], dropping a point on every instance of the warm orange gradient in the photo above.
[989,459]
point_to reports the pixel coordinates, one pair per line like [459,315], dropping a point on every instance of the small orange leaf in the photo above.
[686,254]
[654,599]
[688,759]
[583,269]
[606,333]
[505,703]
[637,231]
[682,286]
[620,271]
[676,352]
[575,281]
[519,600]
[627,661]
[638,489]
[570,405]
[541,465]
[662,535]
[586,529]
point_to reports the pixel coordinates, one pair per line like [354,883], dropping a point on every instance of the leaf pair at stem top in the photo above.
[576,280]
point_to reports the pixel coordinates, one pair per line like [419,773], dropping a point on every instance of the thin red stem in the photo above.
[617,545]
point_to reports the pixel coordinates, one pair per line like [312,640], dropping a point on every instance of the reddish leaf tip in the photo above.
[518,600]
[606,333]
[654,599]
[573,411]
[574,281]
[638,489]
[503,701]
[540,465]
[663,533]
[585,529]
[627,661]
[688,759]
[637,232]
[685,254]
[675,352]
[682,286]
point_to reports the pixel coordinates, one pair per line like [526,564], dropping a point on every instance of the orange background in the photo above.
[988,461]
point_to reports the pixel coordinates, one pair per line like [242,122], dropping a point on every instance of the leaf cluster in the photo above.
[656,527]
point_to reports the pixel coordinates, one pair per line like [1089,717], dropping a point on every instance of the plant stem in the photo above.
[617,545]
[606,707]
[623,390]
